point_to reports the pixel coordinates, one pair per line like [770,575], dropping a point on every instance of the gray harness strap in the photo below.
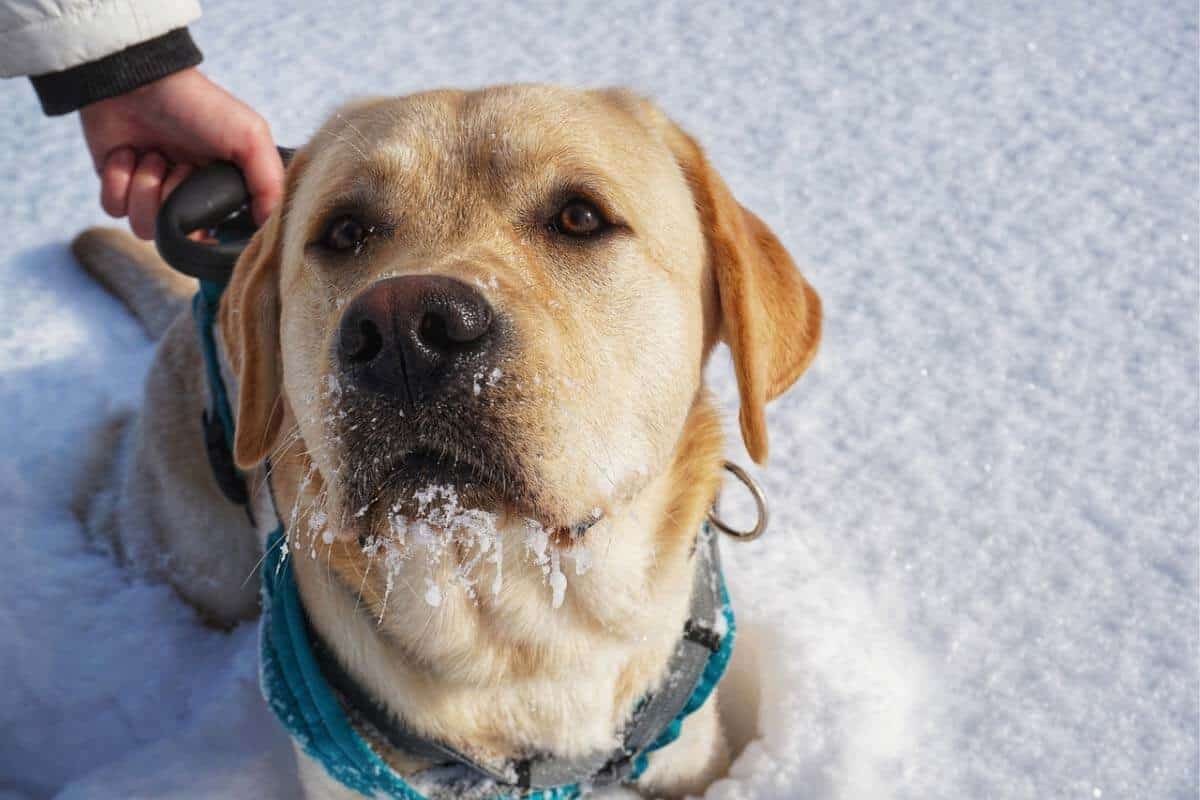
[657,711]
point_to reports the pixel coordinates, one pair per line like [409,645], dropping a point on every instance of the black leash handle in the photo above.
[213,198]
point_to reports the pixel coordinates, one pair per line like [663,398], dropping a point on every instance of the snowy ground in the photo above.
[982,576]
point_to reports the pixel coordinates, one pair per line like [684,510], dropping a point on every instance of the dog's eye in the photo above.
[344,233]
[579,218]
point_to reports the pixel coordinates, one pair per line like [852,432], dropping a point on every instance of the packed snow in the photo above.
[981,577]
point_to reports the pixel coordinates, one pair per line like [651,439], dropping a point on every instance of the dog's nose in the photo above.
[415,335]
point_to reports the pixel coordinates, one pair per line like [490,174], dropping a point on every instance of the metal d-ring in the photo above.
[760,500]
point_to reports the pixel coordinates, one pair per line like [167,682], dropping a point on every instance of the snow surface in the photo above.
[981,577]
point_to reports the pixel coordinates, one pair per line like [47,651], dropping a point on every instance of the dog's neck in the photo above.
[493,666]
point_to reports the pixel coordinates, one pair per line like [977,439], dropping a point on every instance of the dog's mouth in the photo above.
[392,485]
[428,465]
[420,482]
[478,451]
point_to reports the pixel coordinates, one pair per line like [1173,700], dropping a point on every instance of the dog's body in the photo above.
[523,587]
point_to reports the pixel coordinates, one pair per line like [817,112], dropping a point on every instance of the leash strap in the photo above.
[217,419]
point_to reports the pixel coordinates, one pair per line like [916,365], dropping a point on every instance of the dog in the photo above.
[470,346]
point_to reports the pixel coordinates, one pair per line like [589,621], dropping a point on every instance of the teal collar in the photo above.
[299,693]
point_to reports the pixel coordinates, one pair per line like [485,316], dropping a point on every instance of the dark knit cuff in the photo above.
[121,72]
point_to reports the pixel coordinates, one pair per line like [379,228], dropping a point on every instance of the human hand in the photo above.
[145,142]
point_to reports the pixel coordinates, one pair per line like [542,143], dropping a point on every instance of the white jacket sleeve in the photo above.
[41,36]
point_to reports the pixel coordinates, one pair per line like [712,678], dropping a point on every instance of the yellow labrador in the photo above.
[470,344]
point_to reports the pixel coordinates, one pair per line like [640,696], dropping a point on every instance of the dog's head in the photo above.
[512,292]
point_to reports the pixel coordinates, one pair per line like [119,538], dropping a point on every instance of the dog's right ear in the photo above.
[249,319]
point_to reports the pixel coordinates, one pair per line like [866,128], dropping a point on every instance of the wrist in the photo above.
[116,74]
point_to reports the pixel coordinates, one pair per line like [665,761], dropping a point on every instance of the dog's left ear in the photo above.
[249,319]
[770,315]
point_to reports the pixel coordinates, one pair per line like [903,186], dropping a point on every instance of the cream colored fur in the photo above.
[612,416]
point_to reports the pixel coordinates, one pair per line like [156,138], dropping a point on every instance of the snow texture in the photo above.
[981,576]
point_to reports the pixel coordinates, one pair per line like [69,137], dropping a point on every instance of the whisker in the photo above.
[266,552]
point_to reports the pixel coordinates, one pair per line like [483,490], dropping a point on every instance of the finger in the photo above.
[115,176]
[176,176]
[144,191]
[260,163]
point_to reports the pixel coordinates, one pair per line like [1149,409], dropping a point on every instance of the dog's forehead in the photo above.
[488,136]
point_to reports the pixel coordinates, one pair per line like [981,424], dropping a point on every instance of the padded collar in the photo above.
[298,676]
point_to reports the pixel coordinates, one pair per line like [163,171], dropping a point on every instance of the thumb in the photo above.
[263,168]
